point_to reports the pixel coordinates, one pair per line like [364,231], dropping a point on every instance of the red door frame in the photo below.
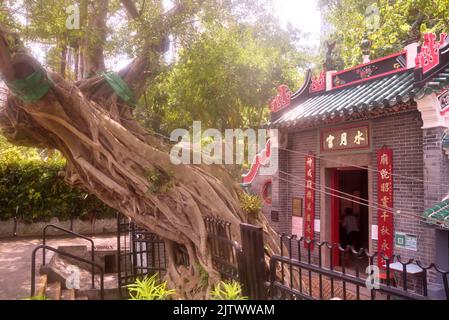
[335,217]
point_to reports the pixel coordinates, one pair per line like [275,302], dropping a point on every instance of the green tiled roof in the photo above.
[438,215]
[440,81]
[379,93]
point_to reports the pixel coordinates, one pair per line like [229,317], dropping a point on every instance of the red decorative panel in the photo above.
[261,159]
[282,100]
[309,195]
[318,84]
[385,204]
[429,56]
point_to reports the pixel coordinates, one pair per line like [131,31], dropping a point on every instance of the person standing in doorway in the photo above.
[351,225]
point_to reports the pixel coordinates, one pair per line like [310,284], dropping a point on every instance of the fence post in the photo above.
[252,262]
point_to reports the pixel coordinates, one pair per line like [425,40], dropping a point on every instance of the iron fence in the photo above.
[309,270]
[140,253]
[240,262]
[226,253]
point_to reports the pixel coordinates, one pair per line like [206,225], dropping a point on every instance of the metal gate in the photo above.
[139,253]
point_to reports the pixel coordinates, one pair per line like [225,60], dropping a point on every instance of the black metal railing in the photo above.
[139,253]
[243,263]
[44,242]
[45,247]
[322,270]
[226,253]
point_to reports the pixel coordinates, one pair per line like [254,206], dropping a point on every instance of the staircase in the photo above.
[54,291]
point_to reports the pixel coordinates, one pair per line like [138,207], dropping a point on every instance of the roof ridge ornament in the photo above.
[282,99]
[318,83]
[429,56]
[366,48]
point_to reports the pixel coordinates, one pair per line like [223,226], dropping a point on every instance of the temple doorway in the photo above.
[349,211]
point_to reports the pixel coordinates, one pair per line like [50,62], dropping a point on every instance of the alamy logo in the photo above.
[210,147]
[373,280]
[73,20]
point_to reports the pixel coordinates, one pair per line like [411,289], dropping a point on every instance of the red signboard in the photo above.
[385,204]
[309,216]
[282,100]
[429,57]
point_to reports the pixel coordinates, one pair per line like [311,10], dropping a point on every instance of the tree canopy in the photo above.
[224,64]
[399,22]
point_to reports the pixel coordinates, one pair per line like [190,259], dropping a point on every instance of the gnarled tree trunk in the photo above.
[110,155]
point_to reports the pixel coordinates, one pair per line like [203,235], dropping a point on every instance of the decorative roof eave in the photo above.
[438,215]
[407,76]
[364,112]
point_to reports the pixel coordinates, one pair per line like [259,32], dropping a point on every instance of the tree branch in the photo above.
[131,8]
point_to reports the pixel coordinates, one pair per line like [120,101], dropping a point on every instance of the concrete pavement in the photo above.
[15,261]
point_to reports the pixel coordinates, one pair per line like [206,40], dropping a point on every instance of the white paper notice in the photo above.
[297,226]
[374,232]
[317,225]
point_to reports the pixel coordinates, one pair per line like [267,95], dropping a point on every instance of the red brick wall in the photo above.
[403,134]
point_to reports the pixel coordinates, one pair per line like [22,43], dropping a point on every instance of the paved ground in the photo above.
[15,262]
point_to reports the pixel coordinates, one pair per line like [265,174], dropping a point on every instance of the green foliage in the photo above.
[227,291]
[150,288]
[251,203]
[225,79]
[348,19]
[204,276]
[32,189]
[160,182]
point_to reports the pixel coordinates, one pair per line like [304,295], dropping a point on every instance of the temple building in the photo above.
[363,156]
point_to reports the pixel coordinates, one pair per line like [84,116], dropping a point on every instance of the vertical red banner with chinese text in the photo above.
[385,204]
[309,203]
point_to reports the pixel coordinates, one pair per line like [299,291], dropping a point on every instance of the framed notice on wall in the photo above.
[297,207]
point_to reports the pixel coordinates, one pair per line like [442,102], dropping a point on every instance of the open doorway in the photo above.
[349,210]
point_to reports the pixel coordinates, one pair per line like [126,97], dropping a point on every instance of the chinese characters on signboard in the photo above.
[385,204]
[309,212]
[345,139]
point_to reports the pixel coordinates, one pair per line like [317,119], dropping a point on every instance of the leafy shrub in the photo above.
[37,298]
[204,276]
[160,181]
[32,189]
[227,291]
[150,288]
[251,204]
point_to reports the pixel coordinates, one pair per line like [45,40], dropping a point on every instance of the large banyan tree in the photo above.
[111,156]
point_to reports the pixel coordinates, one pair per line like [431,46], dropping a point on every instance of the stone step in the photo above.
[53,291]
[41,285]
[81,297]
[68,294]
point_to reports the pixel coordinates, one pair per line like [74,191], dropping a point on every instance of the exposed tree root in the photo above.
[110,155]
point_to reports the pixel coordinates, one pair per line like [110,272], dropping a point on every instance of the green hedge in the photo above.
[31,188]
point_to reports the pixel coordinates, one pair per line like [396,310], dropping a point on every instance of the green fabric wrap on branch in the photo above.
[120,87]
[32,88]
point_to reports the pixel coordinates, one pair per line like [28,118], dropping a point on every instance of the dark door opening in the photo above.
[349,210]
